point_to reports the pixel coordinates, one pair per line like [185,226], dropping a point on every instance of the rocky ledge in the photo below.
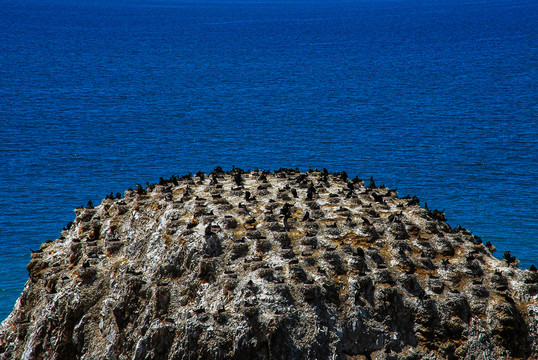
[259,265]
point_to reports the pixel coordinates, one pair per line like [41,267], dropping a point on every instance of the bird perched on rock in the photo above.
[310,192]
[237,178]
[509,259]
[372,183]
[286,209]
[140,190]
[294,193]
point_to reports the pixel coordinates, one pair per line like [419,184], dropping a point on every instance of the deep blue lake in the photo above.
[436,98]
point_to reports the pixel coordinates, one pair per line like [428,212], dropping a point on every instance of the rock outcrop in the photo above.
[258,265]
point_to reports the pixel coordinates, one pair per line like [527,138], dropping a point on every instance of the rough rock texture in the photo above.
[283,265]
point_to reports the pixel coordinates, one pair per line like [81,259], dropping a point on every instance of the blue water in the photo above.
[435,98]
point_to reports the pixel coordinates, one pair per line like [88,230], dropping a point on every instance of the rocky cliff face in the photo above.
[283,265]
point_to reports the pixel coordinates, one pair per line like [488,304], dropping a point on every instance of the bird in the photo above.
[68,226]
[285,221]
[509,259]
[140,190]
[310,192]
[294,193]
[372,183]
[237,178]
[286,209]
[378,198]
[214,180]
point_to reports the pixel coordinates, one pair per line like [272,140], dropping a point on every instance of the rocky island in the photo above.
[270,265]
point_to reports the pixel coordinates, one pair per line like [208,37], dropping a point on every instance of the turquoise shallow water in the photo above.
[435,99]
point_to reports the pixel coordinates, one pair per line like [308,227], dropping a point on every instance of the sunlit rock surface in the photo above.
[282,265]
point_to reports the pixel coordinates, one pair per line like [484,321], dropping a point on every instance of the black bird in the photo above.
[149,186]
[532,268]
[90,204]
[140,190]
[509,259]
[343,176]
[440,215]
[299,179]
[237,178]
[294,193]
[306,216]
[310,192]
[118,195]
[214,180]
[247,195]
[208,231]
[372,183]
[378,198]
[286,209]
[324,176]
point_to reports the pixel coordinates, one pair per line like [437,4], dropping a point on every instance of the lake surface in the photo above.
[438,99]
